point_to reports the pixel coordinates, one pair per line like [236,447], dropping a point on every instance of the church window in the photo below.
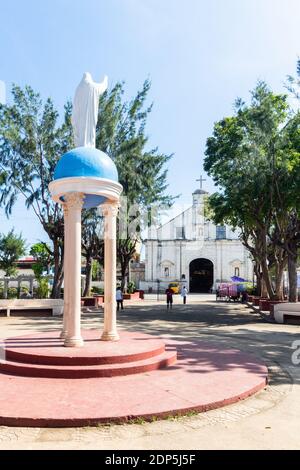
[179,232]
[237,272]
[221,232]
[167,272]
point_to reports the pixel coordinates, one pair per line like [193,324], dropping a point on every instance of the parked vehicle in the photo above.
[175,286]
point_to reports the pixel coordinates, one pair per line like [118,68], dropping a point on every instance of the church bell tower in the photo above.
[198,211]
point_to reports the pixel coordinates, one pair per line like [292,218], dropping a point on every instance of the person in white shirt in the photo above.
[119,299]
[184,294]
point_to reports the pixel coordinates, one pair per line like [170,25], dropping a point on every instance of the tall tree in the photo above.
[286,198]
[12,247]
[242,157]
[121,133]
[291,172]
[92,244]
[31,142]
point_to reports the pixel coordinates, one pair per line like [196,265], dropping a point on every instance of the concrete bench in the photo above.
[56,305]
[288,309]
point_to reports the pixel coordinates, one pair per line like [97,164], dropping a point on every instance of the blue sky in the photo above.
[199,54]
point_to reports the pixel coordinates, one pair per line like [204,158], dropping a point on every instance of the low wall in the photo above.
[56,305]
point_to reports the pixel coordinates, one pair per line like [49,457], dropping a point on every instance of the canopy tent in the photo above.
[237,279]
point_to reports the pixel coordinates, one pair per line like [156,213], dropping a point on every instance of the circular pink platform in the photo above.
[44,384]
[45,356]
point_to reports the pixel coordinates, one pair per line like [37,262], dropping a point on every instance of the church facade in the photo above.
[193,251]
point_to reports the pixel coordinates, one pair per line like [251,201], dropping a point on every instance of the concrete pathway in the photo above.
[269,420]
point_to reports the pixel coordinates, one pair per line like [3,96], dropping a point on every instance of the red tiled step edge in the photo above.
[47,349]
[83,372]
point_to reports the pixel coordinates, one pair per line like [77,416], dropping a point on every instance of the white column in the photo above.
[110,211]
[74,203]
[63,334]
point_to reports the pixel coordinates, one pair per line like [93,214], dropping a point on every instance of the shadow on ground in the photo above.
[229,326]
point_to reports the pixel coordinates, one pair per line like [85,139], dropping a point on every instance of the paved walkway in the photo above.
[269,420]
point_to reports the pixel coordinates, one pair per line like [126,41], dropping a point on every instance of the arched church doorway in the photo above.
[201,275]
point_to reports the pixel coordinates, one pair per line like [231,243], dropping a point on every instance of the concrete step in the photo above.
[48,349]
[23,369]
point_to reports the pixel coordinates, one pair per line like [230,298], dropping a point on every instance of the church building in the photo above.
[193,251]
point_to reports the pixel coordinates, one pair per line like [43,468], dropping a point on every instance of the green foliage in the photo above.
[97,290]
[42,291]
[121,134]
[92,235]
[44,258]
[31,142]
[92,246]
[250,288]
[131,288]
[96,271]
[12,247]
[293,83]
[240,158]
[12,292]
[253,157]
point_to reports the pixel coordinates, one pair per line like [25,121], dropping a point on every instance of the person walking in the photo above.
[119,299]
[184,292]
[169,294]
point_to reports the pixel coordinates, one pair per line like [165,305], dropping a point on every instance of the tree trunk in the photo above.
[263,289]
[258,284]
[58,271]
[279,281]
[57,284]
[124,266]
[258,276]
[292,270]
[88,277]
[267,280]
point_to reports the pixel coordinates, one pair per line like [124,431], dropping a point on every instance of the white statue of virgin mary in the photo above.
[85,110]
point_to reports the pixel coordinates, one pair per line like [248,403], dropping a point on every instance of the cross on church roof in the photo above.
[201,180]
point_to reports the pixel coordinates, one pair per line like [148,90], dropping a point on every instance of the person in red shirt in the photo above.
[169,294]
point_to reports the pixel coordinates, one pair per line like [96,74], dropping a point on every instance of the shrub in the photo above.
[131,287]
[12,293]
[97,290]
[42,291]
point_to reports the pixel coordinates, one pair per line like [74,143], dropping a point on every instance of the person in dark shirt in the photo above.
[119,299]
[169,294]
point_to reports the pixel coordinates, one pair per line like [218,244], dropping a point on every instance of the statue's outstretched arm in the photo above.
[102,87]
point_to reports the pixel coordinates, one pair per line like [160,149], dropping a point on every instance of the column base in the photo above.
[110,336]
[63,334]
[73,342]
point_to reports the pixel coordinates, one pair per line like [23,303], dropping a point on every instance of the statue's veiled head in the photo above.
[87,77]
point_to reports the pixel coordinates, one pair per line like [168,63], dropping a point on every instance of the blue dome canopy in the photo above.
[86,162]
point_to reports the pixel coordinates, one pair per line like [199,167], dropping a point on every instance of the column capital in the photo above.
[73,201]
[110,208]
[65,208]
